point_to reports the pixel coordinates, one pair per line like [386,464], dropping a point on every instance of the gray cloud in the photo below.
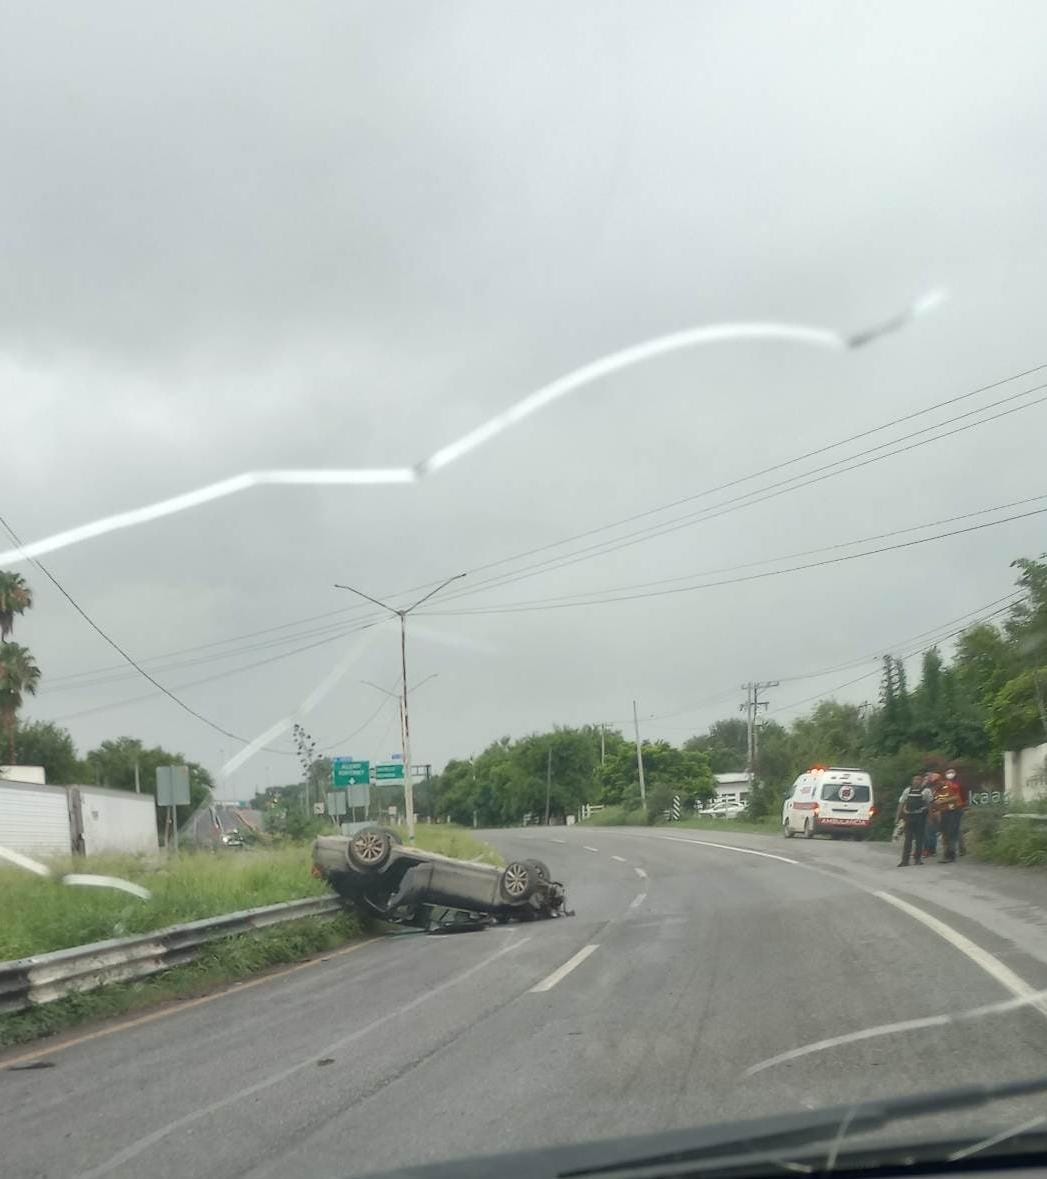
[343,234]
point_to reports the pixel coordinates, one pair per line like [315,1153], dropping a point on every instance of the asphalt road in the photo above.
[690,960]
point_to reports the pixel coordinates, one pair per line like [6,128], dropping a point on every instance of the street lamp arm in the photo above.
[361,594]
[433,593]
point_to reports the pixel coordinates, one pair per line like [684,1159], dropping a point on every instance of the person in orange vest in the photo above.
[965,801]
[948,804]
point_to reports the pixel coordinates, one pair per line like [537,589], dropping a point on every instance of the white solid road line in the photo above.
[988,962]
[641,873]
[747,851]
[620,859]
[588,848]
[557,840]
[561,972]
[637,901]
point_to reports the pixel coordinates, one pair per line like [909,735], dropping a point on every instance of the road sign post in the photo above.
[172,790]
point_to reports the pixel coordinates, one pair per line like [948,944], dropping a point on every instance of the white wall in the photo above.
[1024,776]
[117,821]
[34,820]
[23,774]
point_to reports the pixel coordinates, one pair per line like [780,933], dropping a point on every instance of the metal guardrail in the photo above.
[29,982]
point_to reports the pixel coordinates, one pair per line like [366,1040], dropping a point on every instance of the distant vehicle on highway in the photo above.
[374,870]
[829,799]
[233,839]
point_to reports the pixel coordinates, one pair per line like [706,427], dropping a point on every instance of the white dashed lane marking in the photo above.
[562,972]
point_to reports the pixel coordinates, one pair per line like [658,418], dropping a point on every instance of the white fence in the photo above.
[117,821]
[58,820]
[34,820]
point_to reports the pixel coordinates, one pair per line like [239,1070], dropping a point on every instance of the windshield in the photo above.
[499,503]
[845,792]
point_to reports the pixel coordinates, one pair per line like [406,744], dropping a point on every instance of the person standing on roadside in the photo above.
[932,825]
[913,807]
[965,801]
[947,803]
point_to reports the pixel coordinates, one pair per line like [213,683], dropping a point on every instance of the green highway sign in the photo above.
[389,771]
[345,773]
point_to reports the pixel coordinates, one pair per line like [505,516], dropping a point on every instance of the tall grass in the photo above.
[996,840]
[38,915]
[458,842]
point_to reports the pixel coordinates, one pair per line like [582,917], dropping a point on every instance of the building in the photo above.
[732,788]
[1025,773]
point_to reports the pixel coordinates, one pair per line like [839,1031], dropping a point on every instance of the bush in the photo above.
[996,840]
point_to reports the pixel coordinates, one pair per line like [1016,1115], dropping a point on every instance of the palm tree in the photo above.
[19,676]
[15,598]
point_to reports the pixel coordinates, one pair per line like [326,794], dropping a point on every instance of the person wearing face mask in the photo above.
[949,806]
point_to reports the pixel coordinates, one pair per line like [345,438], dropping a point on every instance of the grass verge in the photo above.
[40,914]
[221,962]
[458,842]
[615,816]
[1021,843]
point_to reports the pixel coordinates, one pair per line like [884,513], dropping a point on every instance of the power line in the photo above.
[791,556]
[876,670]
[121,652]
[552,604]
[756,496]
[820,450]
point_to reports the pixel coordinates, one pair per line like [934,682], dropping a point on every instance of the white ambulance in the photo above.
[830,799]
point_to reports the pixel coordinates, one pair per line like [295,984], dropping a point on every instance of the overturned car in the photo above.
[378,874]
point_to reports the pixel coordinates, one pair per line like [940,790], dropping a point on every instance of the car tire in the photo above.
[518,882]
[787,828]
[541,869]
[808,829]
[368,850]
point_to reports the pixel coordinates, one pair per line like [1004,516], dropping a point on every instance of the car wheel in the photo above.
[808,829]
[787,828]
[541,870]
[368,850]
[518,881]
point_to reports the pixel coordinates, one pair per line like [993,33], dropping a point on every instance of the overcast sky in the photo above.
[252,236]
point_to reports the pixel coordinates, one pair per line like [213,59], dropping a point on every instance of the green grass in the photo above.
[768,826]
[219,963]
[615,816]
[40,914]
[458,842]
[1021,843]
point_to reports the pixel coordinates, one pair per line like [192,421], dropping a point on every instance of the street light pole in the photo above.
[405,731]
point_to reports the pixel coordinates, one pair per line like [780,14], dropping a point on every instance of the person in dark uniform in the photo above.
[913,807]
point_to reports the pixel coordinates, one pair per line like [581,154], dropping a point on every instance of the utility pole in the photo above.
[603,743]
[639,757]
[751,708]
[405,728]
[548,782]
[138,780]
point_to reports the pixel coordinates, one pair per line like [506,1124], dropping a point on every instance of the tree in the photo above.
[667,771]
[1016,715]
[1026,625]
[726,744]
[833,734]
[19,676]
[41,743]
[15,598]
[113,764]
